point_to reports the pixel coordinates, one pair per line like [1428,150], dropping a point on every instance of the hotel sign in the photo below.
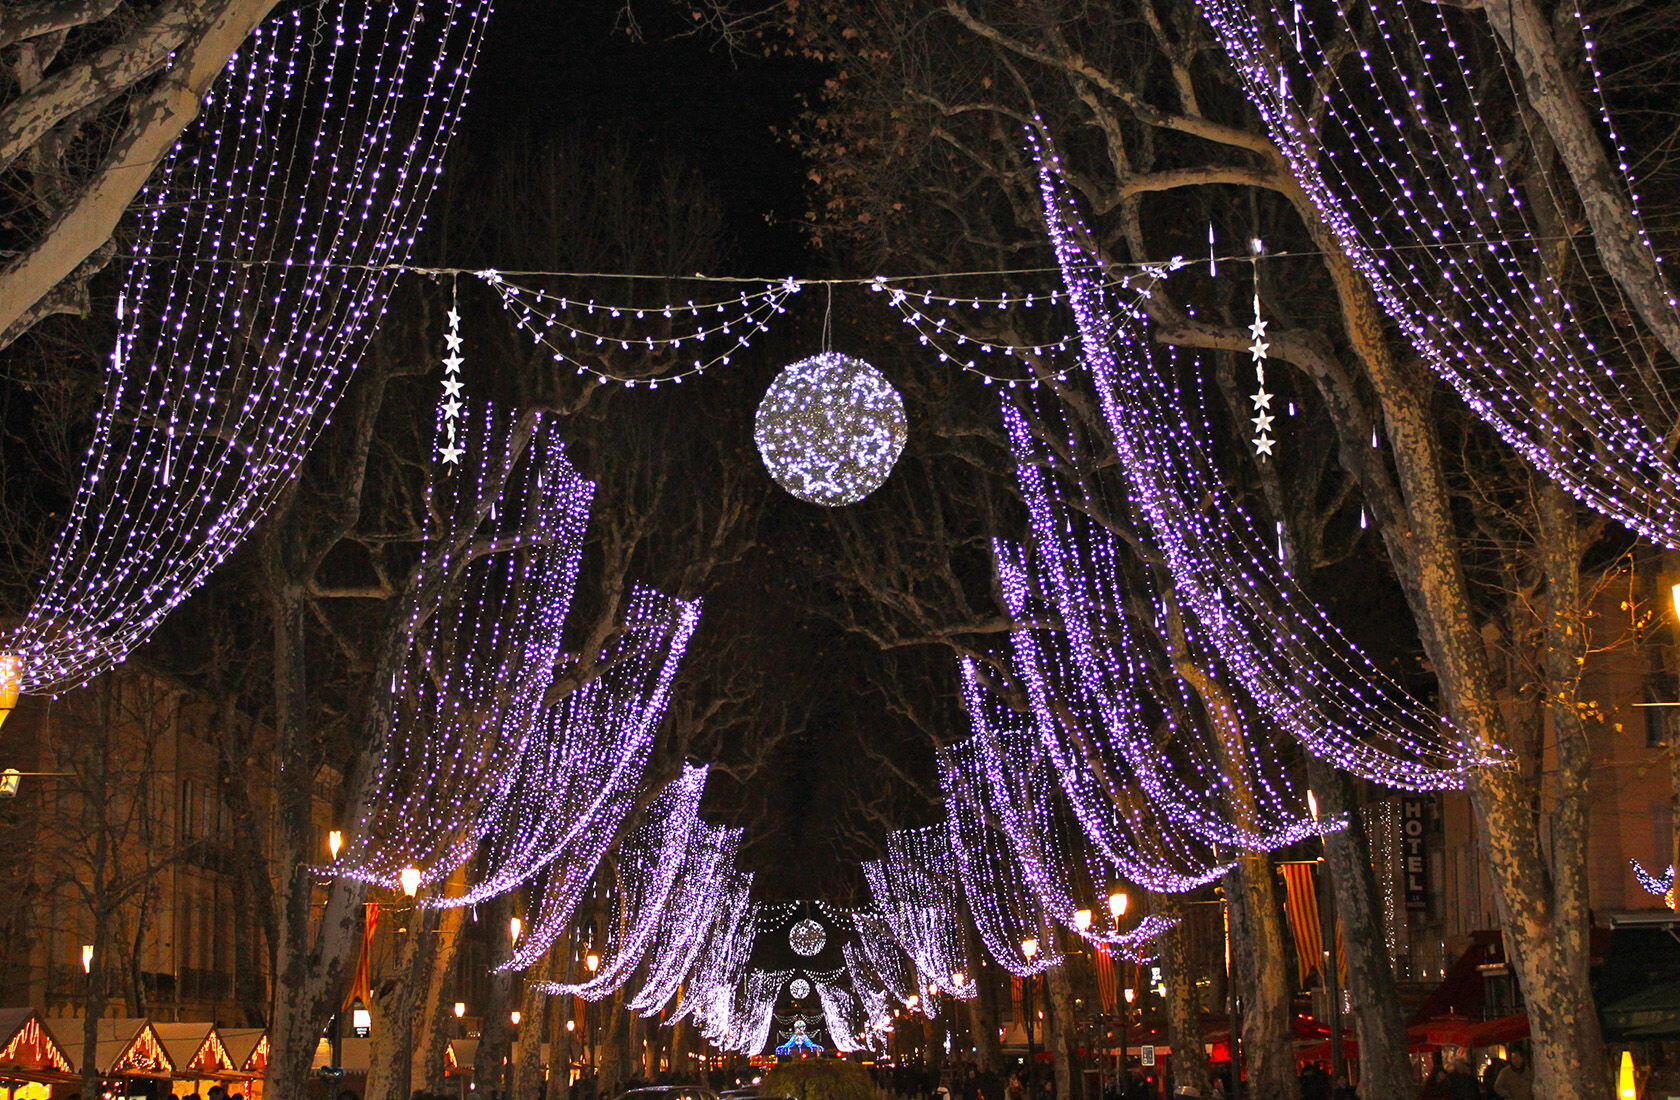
[1414,851]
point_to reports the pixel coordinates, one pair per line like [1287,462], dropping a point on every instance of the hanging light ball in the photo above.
[830,429]
[799,989]
[807,937]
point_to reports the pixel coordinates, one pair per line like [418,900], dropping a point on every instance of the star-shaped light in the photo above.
[1262,400]
[1263,422]
[1263,445]
[451,454]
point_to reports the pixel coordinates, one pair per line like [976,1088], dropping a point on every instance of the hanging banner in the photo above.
[1301,905]
[1414,851]
[1107,991]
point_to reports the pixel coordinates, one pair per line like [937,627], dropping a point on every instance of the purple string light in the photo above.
[258,276]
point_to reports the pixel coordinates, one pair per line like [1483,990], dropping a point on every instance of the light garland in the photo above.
[1271,639]
[260,271]
[471,686]
[1414,183]
[646,873]
[584,754]
[913,884]
[830,429]
[1661,886]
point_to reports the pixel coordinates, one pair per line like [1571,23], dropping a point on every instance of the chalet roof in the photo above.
[187,1042]
[126,1047]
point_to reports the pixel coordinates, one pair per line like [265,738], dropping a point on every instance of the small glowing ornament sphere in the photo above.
[799,989]
[807,937]
[830,429]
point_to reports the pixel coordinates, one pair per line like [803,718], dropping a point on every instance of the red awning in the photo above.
[1456,1031]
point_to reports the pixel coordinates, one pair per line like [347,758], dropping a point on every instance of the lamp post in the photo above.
[1125,1040]
[1029,948]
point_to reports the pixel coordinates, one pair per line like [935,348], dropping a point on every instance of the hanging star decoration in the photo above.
[1262,419]
[450,407]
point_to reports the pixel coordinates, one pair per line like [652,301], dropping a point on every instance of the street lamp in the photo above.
[515,1016]
[1082,919]
[1125,1038]
[1029,948]
[460,1009]
[1330,976]
[410,881]
[592,962]
[1118,903]
[335,843]
[515,926]
[87,958]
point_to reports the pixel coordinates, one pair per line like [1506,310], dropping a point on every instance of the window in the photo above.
[1660,721]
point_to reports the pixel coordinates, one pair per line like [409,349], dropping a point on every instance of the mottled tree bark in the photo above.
[397,1003]
[155,120]
[435,1017]
[1183,1009]
[1261,961]
[1059,1039]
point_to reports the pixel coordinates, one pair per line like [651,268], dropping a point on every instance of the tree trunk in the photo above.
[1556,99]
[396,1005]
[1262,965]
[435,1018]
[495,1038]
[1060,1023]
[156,120]
[1379,1023]
[1423,545]
[1184,1016]
[983,1023]
[528,1054]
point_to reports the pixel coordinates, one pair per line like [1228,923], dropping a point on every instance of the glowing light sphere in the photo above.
[807,937]
[799,989]
[830,429]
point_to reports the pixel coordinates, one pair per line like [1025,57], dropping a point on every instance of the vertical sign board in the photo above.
[1148,1052]
[1414,851]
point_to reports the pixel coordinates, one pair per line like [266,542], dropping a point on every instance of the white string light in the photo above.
[263,265]
[1395,150]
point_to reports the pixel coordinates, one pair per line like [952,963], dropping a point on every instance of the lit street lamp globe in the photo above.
[807,937]
[830,429]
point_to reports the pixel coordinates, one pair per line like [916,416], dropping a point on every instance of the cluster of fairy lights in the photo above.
[1661,886]
[1273,642]
[472,686]
[830,429]
[913,885]
[844,1014]
[585,755]
[1096,693]
[807,937]
[1384,121]
[646,873]
[263,262]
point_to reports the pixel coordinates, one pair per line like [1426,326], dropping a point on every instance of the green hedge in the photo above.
[819,1079]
